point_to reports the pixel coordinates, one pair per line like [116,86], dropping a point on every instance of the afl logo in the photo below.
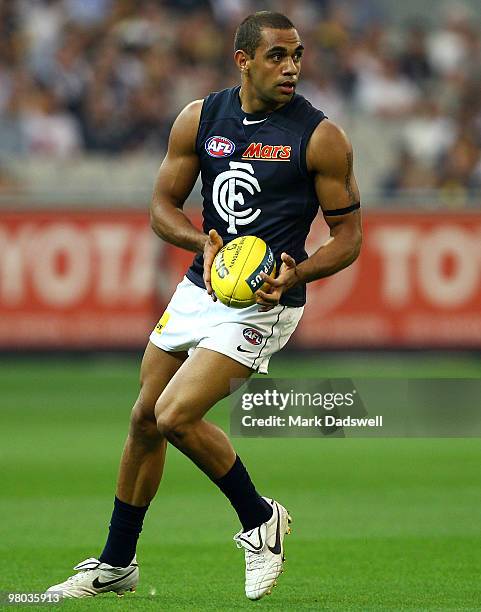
[219,146]
[252,336]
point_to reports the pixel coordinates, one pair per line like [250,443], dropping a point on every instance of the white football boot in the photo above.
[94,578]
[264,551]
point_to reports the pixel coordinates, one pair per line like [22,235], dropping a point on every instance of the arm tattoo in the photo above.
[352,197]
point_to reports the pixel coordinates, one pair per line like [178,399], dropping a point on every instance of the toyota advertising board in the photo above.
[416,284]
[100,279]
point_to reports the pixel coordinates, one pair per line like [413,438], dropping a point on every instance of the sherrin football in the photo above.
[235,275]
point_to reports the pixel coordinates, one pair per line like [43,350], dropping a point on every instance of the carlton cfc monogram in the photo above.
[226,193]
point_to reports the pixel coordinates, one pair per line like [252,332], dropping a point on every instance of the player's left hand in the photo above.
[286,279]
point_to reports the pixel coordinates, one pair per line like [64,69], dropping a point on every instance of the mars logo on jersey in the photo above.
[257,150]
[252,336]
[219,146]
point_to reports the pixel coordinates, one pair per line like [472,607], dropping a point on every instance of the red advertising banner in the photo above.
[100,279]
[417,283]
[76,280]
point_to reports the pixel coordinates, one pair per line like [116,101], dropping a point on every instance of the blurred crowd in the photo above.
[110,76]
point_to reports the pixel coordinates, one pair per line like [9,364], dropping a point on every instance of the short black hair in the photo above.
[249,33]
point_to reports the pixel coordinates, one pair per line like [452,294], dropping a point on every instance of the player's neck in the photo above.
[253,104]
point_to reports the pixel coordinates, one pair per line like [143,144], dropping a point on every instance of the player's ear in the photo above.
[241,59]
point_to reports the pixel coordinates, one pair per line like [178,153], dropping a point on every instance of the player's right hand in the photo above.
[212,246]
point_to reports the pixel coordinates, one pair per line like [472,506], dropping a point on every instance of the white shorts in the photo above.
[192,319]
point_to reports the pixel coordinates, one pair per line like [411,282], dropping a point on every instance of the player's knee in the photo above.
[171,423]
[168,425]
[142,422]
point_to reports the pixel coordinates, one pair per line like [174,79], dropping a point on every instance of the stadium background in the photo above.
[88,91]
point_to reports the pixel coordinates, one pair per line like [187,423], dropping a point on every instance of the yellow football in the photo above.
[235,275]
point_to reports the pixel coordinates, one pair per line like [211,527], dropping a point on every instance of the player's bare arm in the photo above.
[329,157]
[174,182]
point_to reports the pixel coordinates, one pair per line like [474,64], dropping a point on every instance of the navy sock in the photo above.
[124,531]
[237,486]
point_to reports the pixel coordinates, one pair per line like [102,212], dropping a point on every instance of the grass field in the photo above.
[379,524]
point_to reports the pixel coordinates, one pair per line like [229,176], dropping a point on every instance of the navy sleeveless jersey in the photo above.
[254,177]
